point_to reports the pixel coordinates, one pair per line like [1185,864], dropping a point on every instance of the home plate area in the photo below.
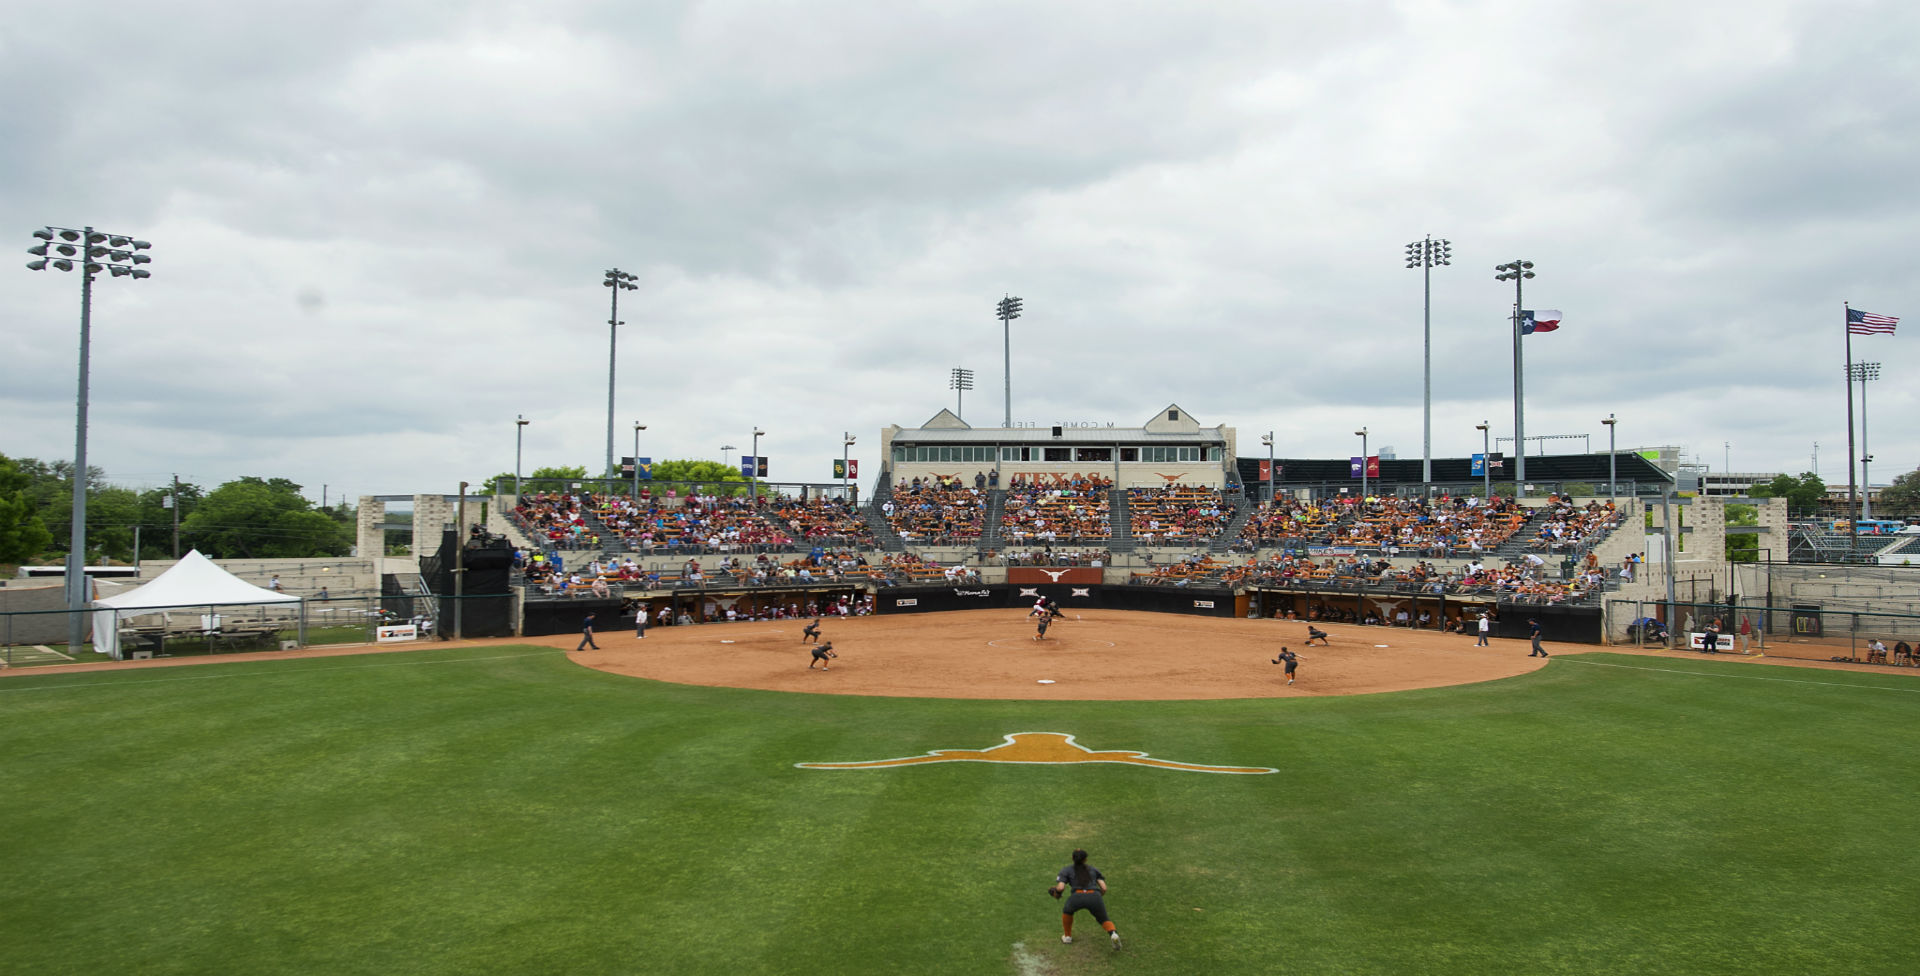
[1109,655]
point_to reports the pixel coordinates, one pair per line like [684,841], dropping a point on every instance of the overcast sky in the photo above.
[380,228]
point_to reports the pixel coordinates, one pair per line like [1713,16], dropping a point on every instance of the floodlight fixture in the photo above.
[85,245]
[1007,310]
[618,281]
[1518,271]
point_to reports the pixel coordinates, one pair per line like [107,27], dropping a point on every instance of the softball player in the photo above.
[1089,889]
[811,632]
[821,653]
[1290,659]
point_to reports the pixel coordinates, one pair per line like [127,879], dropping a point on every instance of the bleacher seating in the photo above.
[1049,514]
[1176,515]
[929,513]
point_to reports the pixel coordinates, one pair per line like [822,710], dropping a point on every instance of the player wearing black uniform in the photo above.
[1290,659]
[1089,889]
[811,632]
[1316,634]
[1045,619]
[822,652]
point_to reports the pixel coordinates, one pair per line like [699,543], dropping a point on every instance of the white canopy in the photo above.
[195,581]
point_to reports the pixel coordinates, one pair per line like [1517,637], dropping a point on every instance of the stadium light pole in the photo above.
[846,444]
[1517,271]
[619,281]
[1267,439]
[1425,254]
[1865,372]
[1611,457]
[1486,457]
[1008,310]
[519,430]
[58,247]
[1362,434]
[637,428]
[960,382]
[726,455]
[753,478]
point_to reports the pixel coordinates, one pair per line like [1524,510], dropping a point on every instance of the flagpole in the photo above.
[1853,520]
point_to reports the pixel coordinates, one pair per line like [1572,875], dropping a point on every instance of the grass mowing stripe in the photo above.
[1743,677]
[535,817]
[290,672]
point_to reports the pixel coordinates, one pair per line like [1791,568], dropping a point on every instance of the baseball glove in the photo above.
[1055,892]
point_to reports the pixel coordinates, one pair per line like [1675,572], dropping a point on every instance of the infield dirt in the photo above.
[1106,655]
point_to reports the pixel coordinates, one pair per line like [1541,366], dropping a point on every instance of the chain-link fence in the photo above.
[1812,631]
[40,637]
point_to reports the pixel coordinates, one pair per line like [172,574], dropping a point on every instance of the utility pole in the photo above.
[176,516]
[1425,254]
[1008,310]
[1518,271]
[459,559]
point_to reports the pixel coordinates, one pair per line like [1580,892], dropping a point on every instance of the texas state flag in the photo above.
[1545,320]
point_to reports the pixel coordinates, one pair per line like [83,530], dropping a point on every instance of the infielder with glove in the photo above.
[1089,888]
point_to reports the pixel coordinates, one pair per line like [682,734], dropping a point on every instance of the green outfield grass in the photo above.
[500,810]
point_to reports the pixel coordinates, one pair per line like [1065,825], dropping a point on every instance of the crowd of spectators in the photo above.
[936,512]
[1197,569]
[556,518]
[697,523]
[899,569]
[1521,580]
[1176,515]
[1447,526]
[1056,557]
[1571,528]
[1076,511]
[831,520]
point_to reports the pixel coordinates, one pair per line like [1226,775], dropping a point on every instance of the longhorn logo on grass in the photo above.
[1042,749]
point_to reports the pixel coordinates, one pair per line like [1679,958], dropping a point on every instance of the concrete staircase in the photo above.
[996,509]
[1242,511]
[889,541]
[1119,521]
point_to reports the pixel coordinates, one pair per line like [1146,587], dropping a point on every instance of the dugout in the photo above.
[1565,624]
[1152,599]
[544,617]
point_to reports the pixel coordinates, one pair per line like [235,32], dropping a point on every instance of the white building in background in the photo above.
[1170,448]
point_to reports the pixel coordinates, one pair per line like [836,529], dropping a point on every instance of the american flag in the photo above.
[1867,323]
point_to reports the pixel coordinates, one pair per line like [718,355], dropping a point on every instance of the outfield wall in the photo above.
[1153,599]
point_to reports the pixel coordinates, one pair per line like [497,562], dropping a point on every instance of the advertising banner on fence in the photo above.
[394,633]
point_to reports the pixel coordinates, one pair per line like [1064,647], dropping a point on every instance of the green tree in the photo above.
[1902,497]
[255,518]
[23,535]
[112,513]
[703,472]
[156,519]
[545,479]
[1803,494]
[1740,548]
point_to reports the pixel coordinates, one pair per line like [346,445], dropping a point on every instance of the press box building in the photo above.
[1170,448]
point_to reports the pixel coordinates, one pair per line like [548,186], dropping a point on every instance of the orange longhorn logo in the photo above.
[1041,748]
[1172,478]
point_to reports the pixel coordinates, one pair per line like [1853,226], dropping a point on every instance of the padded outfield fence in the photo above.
[1803,630]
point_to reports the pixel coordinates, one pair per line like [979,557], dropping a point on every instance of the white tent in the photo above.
[193,582]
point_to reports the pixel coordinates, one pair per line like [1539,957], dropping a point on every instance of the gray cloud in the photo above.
[380,228]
